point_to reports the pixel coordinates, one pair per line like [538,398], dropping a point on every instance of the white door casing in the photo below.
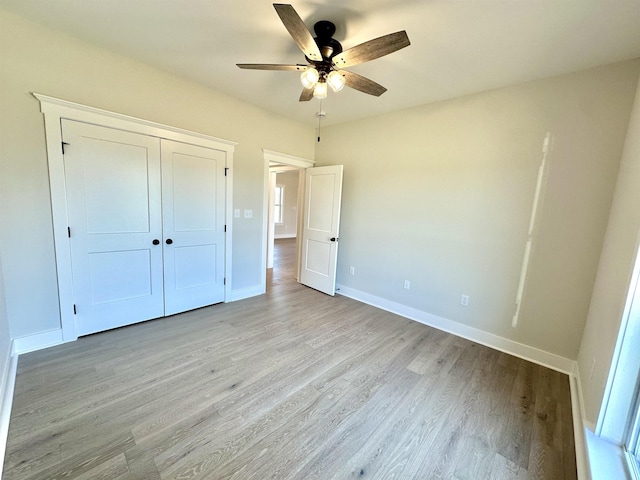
[113,197]
[270,157]
[193,197]
[320,232]
[54,111]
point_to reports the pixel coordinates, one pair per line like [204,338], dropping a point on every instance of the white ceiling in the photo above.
[457,47]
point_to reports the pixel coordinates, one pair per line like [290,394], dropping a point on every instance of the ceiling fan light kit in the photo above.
[336,81]
[326,59]
[309,77]
[320,90]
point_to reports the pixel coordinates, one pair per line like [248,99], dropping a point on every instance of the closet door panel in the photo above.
[113,205]
[193,205]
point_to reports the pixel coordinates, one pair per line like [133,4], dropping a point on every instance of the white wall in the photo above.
[290,212]
[37,59]
[614,274]
[441,195]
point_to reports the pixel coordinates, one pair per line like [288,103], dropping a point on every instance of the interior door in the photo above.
[113,205]
[193,205]
[323,195]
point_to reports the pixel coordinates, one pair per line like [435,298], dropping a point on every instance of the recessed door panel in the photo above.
[321,188]
[317,258]
[195,266]
[116,276]
[194,192]
[116,187]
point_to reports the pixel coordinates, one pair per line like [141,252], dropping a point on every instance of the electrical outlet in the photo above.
[464,300]
[407,285]
[352,270]
[248,214]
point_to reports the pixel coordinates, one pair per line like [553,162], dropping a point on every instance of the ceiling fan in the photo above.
[326,59]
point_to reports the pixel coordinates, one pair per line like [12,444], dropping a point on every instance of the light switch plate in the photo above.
[248,214]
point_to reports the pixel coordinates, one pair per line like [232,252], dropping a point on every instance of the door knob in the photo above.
[169,241]
[333,239]
[156,241]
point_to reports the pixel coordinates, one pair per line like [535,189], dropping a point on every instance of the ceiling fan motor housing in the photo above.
[329,47]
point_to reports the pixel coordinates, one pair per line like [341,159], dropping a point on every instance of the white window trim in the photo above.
[608,457]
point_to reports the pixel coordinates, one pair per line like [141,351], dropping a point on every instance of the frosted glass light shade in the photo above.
[336,81]
[321,90]
[309,77]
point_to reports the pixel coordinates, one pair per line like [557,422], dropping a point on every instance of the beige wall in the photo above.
[614,274]
[5,337]
[290,182]
[35,59]
[441,195]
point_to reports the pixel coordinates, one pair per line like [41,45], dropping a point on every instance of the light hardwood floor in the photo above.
[289,385]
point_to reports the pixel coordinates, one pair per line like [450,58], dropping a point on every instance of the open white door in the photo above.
[323,195]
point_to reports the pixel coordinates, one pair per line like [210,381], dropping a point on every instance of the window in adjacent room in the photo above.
[278,207]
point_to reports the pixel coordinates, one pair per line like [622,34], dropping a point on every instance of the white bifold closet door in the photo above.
[146,225]
[193,207]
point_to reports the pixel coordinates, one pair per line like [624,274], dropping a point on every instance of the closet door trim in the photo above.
[54,110]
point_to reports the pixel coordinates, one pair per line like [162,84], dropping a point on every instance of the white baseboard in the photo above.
[243,293]
[37,341]
[532,354]
[535,355]
[285,235]
[6,397]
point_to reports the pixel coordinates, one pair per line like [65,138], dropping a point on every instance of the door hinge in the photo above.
[225,229]
[225,281]
[75,312]
[69,232]
[225,171]
[63,144]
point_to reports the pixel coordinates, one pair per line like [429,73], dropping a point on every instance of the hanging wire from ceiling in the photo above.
[320,116]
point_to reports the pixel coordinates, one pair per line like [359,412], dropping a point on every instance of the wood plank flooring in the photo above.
[289,385]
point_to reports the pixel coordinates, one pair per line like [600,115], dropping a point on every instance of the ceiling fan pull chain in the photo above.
[320,115]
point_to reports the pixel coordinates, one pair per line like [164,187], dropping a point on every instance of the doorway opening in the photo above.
[275,162]
[284,207]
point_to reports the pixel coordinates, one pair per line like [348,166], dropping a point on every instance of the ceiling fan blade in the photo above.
[271,66]
[376,48]
[306,95]
[362,84]
[298,31]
